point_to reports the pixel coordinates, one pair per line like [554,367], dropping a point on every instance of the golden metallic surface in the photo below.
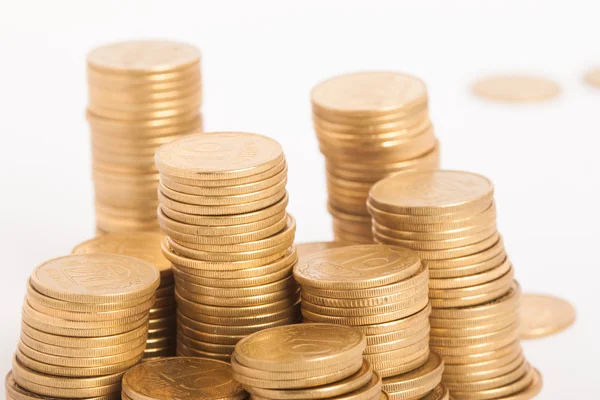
[399,343]
[500,321]
[310,248]
[246,320]
[543,315]
[357,267]
[510,388]
[235,283]
[95,278]
[143,245]
[384,338]
[479,370]
[487,379]
[219,155]
[43,390]
[191,308]
[182,378]
[404,353]
[516,88]
[530,391]
[500,334]
[479,358]
[440,392]
[236,330]
[277,349]
[396,367]
[420,380]
[16,392]
[234,292]
[503,282]
[360,379]
[473,279]
[240,301]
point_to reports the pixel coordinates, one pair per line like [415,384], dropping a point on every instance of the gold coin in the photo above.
[208,337]
[428,255]
[142,245]
[471,371]
[183,350]
[387,369]
[368,94]
[160,352]
[156,313]
[391,337]
[511,388]
[472,269]
[511,348]
[455,237]
[205,346]
[277,349]
[236,283]
[440,392]
[44,390]
[16,392]
[502,282]
[160,323]
[307,249]
[499,322]
[472,280]
[507,338]
[191,308]
[333,375]
[543,315]
[246,320]
[363,377]
[76,278]
[182,378]
[516,88]
[488,374]
[240,301]
[159,343]
[431,192]
[218,155]
[530,391]
[397,343]
[401,353]
[469,301]
[234,292]
[370,391]
[74,372]
[500,334]
[228,330]
[357,267]
[421,380]
[446,244]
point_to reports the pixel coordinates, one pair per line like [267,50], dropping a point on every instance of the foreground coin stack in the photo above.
[223,206]
[182,378]
[142,94]
[85,322]
[369,125]
[145,246]
[306,361]
[381,291]
[449,219]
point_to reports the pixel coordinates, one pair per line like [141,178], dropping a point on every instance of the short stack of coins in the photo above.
[182,378]
[306,361]
[379,290]
[449,219]
[369,125]
[85,322]
[230,240]
[142,94]
[145,246]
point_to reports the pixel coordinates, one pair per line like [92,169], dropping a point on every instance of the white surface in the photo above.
[260,60]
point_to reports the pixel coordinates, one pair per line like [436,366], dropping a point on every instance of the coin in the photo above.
[307,249]
[511,388]
[543,315]
[182,377]
[516,88]
[420,380]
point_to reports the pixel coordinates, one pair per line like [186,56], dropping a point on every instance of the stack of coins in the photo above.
[181,378]
[145,246]
[449,219]
[420,383]
[223,206]
[369,125]
[306,361]
[85,322]
[307,249]
[381,291]
[142,94]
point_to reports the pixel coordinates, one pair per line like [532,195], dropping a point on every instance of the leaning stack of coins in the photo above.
[223,206]
[369,125]
[181,378]
[85,322]
[306,361]
[449,219]
[145,246]
[142,94]
[381,291]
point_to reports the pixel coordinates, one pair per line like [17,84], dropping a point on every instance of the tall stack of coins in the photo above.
[306,361]
[449,219]
[85,322]
[381,291]
[223,206]
[369,125]
[142,94]
[181,378]
[145,246]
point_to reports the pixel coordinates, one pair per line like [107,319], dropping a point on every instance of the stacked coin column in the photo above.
[381,291]
[449,219]
[369,125]
[145,246]
[85,322]
[306,361]
[223,206]
[141,95]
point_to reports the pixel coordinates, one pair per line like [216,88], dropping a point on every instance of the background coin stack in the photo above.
[145,246]
[142,94]
[306,361]
[449,219]
[381,291]
[223,206]
[369,125]
[85,322]
[181,378]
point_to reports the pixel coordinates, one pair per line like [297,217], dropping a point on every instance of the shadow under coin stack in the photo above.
[142,94]
[223,206]
[145,246]
[381,291]
[369,125]
[449,219]
[306,361]
[85,322]
[182,378]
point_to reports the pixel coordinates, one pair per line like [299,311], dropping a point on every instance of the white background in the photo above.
[260,60]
